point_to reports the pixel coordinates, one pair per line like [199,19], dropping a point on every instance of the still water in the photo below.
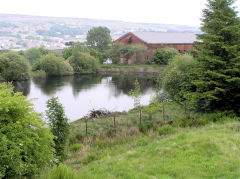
[80,94]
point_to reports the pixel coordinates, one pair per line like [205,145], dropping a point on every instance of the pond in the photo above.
[80,94]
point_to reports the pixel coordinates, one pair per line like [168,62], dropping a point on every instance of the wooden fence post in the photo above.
[86,121]
[140,115]
[163,112]
[114,122]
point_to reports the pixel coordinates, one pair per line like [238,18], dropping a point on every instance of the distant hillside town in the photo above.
[20,32]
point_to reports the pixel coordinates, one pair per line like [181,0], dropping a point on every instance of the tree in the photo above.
[78,46]
[14,67]
[83,63]
[218,72]
[26,142]
[137,95]
[33,54]
[53,65]
[163,55]
[59,126]
[99,38]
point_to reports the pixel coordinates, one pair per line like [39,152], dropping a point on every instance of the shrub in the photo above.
[60,172]
[163,55]
[166,130]
[14,67]
[26,142]
[83,63]
[89,158]
[177,76]
[75,147]
[53,65]
[33,54]
[143,128]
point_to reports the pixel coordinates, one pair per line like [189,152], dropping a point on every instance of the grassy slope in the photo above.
[208,152]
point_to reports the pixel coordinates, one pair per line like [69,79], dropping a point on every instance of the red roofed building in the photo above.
[182,41]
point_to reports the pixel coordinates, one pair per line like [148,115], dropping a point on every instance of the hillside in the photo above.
[25,31]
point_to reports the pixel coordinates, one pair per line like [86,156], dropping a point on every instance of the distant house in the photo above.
[182,41]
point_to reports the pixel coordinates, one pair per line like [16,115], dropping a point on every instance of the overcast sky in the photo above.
[185,12]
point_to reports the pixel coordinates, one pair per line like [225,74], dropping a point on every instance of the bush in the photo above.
[75,147]
[178,75]
[60,172]
[83,63]
[14,67]
[33,54]
[89,158]
[53,65]
[163,55]
[166,130]
[26,142]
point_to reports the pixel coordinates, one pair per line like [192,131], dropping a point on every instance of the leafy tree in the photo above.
[14,67]
[26,142]
[141,52]
[83,63]
[116,52]
[163,55]
[99,38]
[178,75]
[218,73]
[33,54]
[59,126]
[137,95]
[78,46]
[53,65]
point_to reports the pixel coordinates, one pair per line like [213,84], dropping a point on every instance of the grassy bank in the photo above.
[212,151]
[131,68]
[181,146]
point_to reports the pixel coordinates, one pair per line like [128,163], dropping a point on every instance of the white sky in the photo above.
[185,12]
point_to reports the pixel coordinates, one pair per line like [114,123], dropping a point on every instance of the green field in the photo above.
[203,146]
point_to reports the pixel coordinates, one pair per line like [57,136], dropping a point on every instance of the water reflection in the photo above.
[51,85]
[80,94]
[22,86]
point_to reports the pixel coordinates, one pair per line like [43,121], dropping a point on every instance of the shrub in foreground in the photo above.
[75,147]
[166,130]
[178,75]
[60,172]
[26,143]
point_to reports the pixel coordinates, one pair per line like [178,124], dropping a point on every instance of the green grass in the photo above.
[200,146]
[212,151]
[131,66]
[209,152]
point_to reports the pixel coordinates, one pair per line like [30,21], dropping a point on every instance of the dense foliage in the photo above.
[26,143]
[59,126]
[178,75]
[78,46]
[83,63]
[53,65]
[99,38]
[14,67]
[137,53]
[163,55]
[218,72]
[33,54]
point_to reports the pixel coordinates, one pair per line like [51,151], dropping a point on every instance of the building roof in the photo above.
[166,37]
